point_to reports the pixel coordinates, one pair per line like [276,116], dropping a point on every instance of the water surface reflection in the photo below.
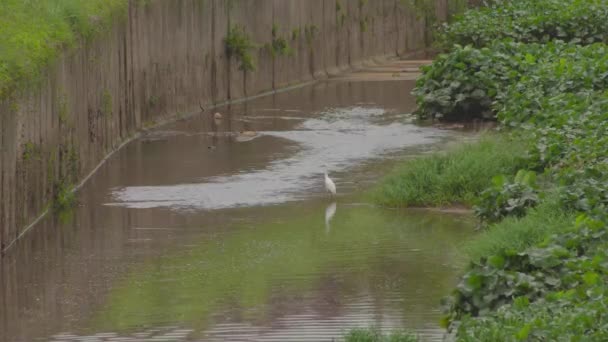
[163,260]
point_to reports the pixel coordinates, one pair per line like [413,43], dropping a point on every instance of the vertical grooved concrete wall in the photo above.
[166,58]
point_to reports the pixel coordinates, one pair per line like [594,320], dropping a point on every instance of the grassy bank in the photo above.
[35,31]
[455,177]
[538,268]
[519,233]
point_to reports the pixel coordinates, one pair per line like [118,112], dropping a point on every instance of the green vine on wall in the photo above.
[238,45]
[63,108]
[364,24]
[295,33]
[30,151]
[106,102]
[456,7]
[310,31]
[340,14]
[279,45]
[422,8]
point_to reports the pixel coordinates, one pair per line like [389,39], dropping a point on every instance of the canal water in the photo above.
[219,229]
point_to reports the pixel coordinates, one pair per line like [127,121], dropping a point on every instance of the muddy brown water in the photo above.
[219,230]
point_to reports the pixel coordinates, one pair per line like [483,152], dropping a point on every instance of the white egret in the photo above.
[217,116]
[330,186]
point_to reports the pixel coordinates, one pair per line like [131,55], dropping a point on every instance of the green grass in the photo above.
[374,335]
[518,234]
[455,177]
[33,32]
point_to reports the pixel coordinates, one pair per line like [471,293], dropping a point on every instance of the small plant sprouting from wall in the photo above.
[74,166]
[30,151]
[362,4]
[340,14]
[63,108]
[295,33]
[153,101]
[364,24]
[50,166]
[422,8]
[64,198]
[14,107]
[239,45]
[144,3]
[364,20]
[279,45]
[456,7]
[311,32]
[106,102]
[230,5]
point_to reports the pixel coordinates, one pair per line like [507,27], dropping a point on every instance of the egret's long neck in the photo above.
[326,175]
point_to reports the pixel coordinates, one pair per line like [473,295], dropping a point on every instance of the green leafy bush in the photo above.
[572,70]
[510,79]
[542,21]
[568,277]
[547,80]
[464,83]
[561,264]
[574,315]
[506,198]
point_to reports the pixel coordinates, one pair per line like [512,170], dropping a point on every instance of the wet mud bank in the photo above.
[161,62]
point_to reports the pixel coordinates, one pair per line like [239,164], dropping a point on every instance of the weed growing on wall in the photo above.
[340,14]
[106,102]
[64,198]
[310,32]
[423,9]
[63,108]
[238,45]
[279,45]
[30,151]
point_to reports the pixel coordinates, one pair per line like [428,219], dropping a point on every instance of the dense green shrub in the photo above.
[462,83]
[33,32]
[567,276]
[510,79]
[573,70]
[563,263]
[548,79]
[575,315]
[574,21]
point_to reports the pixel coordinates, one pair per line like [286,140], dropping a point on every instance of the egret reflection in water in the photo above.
[330,211]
